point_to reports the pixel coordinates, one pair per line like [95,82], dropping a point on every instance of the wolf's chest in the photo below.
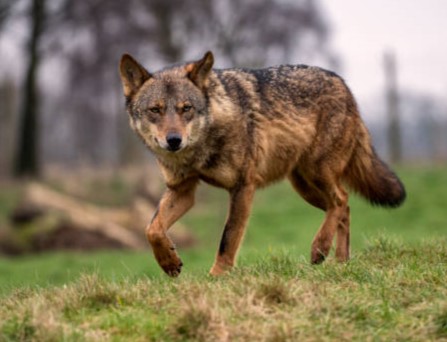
[223,176]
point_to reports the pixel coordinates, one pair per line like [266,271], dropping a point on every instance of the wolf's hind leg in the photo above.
[328,195]
[336,220]
[173,205]
[307,191]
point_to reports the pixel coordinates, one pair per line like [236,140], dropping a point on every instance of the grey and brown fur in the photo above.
[242,129]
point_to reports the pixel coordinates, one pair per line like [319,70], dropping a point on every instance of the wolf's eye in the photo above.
[186,108]
[155,109]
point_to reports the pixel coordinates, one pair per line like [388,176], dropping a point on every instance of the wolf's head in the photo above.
[168,109]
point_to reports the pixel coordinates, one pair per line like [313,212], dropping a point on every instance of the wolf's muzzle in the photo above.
[174,141]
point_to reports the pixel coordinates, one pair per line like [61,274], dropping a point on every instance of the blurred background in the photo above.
[74,177]
[59,80]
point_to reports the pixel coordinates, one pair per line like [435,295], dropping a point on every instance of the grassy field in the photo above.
[388,292]
[393,289]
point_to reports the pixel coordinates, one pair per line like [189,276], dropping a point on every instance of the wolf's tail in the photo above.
[368,175]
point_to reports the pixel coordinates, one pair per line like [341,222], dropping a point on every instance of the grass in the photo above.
[392,289]
[389,291]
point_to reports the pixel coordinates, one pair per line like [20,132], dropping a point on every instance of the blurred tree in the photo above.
[392,100]
[27,163]
[251,33]
[5,8]
[8,93]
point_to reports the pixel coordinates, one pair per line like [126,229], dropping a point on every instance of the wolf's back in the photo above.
[368,175]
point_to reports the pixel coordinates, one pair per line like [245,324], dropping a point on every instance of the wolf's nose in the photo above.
[174,141]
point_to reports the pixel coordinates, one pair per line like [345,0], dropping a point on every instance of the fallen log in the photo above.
[64,219]
[78,214]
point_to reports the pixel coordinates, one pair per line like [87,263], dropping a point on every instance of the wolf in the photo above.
[243,129]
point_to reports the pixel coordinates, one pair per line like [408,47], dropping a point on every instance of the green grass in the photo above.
[389,291]
[392,289]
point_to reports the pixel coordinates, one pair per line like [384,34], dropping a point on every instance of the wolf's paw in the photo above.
[219,269]
[169,261]
[317,257]
[319,251]
[173,269]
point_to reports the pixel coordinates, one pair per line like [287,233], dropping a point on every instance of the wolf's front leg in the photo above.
[240,205]
[175,202]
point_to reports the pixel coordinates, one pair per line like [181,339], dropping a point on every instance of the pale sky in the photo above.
[415,30]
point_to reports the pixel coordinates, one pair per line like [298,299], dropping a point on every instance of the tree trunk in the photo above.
[27,159]
[394,134]
[8,92]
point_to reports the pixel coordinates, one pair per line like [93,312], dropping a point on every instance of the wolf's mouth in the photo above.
[173,149]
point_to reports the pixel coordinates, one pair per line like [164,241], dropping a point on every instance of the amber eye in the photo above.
[155,109]
[186,108]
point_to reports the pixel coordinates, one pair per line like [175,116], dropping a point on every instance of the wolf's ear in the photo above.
[199,71]
[133,75]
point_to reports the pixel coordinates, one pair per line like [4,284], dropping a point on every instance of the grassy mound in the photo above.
[388,291]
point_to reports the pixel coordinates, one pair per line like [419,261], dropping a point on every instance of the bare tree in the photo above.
[8,94]
[5,8]
[251,33]
[27,163]
[392,100]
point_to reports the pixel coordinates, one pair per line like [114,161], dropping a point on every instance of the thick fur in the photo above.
[244,129]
